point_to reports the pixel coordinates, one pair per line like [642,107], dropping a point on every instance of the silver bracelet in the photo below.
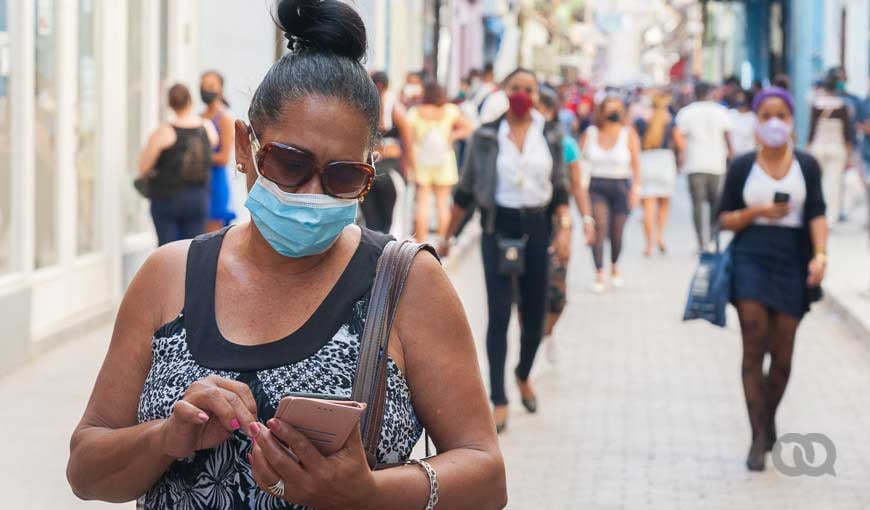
[433,482]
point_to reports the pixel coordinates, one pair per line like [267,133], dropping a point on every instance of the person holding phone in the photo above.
[211,334]
[773,202]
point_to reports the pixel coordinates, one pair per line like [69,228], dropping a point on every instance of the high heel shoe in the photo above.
[755,459]
[528,397]
[500,416]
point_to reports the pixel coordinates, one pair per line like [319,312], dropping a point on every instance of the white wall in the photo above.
[237,39]
[857,44]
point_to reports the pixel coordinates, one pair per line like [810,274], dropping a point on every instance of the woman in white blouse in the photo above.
[514,173]
[611,156]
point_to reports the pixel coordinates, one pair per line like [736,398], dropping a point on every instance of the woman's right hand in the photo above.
[443,248]
[208,413]
[774,211]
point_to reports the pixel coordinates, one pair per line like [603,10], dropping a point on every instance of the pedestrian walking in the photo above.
[176,162]
[396,150]
[182,410]
[514,174]
[705,124]
[831,133]
[773,201]
[557,290]
[436,125]
[489,99]
[412,91]
[742,133]
[217,111]
[611,157]
[661,142]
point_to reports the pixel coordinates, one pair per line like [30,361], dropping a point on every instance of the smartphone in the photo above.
[326,423]
[781,198]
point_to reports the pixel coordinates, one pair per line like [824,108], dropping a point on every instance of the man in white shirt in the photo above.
[705,125]
[490,103]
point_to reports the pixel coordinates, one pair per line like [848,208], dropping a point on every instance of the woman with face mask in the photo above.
[176,162]
[773,201]
[211,91]
[436,126]
[611,152]
[514,172]
[212,333]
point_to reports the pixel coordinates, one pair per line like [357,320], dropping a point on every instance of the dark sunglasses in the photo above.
[290,167]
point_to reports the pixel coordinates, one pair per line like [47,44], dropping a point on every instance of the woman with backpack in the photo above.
[436,125]
[177,163]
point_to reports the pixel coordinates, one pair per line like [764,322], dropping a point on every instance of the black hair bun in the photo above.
[326,26]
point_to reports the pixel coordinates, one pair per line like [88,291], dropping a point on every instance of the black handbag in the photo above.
[512,256]
[143,185]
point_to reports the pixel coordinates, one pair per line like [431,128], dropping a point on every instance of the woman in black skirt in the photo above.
[773,202]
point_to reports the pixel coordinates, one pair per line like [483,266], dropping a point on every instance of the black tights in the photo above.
[610,210]
[765,332]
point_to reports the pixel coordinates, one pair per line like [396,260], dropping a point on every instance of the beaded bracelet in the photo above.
[433,482]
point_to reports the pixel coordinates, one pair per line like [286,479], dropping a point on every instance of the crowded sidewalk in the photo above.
[641,411]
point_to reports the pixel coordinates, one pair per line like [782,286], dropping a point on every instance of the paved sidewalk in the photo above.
[646,412]
[42,403]
[848,279]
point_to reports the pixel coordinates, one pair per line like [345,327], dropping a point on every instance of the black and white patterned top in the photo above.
[320,357]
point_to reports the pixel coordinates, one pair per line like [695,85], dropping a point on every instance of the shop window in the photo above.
[136,216]
[6,259]
[87,159]
[45,133]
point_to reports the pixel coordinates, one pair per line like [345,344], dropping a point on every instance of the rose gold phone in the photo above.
[326,423]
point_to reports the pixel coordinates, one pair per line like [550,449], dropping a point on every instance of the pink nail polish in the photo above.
[254,439]
[202,417]
[254,429]
[235,424]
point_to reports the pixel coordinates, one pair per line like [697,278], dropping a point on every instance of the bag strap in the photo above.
[370,382]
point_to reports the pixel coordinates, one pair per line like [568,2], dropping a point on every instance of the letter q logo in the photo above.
[803,458]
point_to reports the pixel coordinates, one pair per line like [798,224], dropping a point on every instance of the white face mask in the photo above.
[413,90]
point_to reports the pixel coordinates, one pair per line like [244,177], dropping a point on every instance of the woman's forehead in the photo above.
[523,80]
[773,105]
[328,128]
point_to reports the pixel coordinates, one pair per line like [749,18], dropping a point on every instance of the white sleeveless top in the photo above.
[760,189]
[614,163]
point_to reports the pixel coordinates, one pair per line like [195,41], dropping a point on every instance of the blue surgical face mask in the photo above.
[297,225]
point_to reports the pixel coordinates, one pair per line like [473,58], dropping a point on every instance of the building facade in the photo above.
[82,85]
[800,38]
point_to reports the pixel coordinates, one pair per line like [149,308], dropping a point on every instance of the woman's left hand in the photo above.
[634,197]
[562,245]
[816,272]
[341,480]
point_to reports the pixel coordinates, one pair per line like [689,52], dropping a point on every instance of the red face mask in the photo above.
[520,103]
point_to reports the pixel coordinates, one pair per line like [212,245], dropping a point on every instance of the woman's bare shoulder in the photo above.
[159,284]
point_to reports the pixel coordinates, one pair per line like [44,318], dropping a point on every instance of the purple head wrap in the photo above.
[770,92]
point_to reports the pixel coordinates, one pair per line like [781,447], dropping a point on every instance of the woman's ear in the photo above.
[243,147]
